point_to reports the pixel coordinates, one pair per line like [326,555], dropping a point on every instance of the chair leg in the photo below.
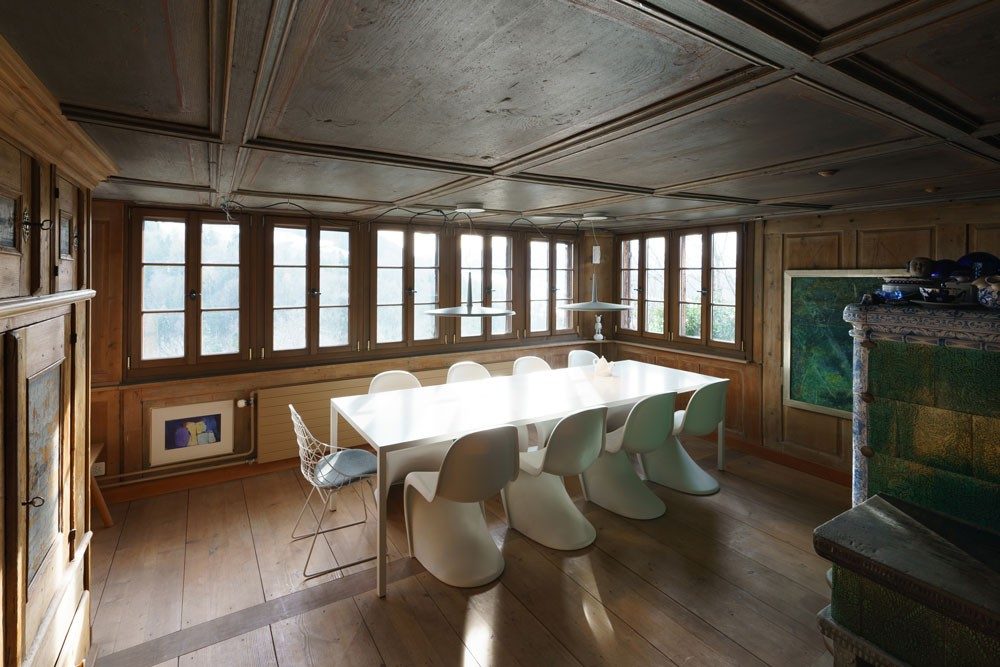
[611,482]
[312,490]
[672,467]
[330,497]
[97,498]
[540,508]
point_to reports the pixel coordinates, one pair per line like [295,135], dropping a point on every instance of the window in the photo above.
[682,286]
[486,259]
[190,291]
[407,277]
[551,280]
[309,288]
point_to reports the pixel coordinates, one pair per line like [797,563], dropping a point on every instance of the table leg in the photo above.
[383,498]
[722,445]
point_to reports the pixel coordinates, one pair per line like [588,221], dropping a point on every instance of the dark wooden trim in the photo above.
[86,115]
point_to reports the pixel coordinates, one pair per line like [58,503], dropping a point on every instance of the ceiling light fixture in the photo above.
[595,306]
[827,172]
[470,207]
[596,216]
[469,310]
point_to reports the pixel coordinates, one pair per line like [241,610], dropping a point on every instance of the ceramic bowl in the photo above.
[941,294]
[989,298]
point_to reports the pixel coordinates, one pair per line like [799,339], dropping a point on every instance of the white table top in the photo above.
[438,412]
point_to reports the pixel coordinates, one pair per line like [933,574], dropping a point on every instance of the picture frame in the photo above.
[191,432]
[817,363]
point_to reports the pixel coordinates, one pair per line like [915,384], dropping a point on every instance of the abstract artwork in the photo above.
[44,419]
[817,345]
[188,432]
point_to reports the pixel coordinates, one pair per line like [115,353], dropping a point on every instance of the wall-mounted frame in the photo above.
[191,432]
[817,349]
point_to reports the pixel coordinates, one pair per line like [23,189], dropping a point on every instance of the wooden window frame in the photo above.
[551,331]
[459,284]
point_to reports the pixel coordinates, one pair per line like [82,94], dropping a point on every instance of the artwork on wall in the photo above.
[44,420]
[189,432]
[816,344]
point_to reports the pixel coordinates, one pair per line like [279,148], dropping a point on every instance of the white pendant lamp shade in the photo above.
[468,309]
[594,306]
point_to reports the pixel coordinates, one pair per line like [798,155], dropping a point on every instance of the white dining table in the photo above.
[399,420]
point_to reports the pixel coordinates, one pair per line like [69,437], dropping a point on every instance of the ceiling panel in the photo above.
[779,123]
[955,59]
[146,59]
[276,205]
[927,163]
[154,157]
[300,174]
[983,183]
[646,206]
[472,81]
[507,195]
[826,16]
[144,194]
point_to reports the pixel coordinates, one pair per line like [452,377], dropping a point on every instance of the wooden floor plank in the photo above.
[144,588]
[220,568]
[102,552]
[496,627]
[253,649]
[334,635]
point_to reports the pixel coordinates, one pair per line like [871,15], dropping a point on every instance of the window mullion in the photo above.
[192,275]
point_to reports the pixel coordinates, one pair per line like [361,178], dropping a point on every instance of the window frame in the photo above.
[552,240]
[459,285]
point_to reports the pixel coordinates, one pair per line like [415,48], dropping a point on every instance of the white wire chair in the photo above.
[328,469]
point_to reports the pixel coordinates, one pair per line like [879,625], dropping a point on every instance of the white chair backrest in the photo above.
[478,465]
[581,358]
[649,424]
[575,442]
[311,450]
[525,365]
[467,370]
[393,380]
[706,409]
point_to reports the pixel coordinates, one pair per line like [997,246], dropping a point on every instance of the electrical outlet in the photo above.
[98,469]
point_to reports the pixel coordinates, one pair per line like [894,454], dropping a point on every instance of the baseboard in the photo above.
[816,470]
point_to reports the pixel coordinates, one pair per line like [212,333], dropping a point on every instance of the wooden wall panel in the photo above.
[892,248]
[812,251]
[984,237]
[14,180]
[105,426]
[108,232]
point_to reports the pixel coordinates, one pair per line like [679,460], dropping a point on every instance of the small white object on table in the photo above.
[396,420]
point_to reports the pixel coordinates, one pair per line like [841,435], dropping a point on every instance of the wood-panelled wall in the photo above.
[873,240]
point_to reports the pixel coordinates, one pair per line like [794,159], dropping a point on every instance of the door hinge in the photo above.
[73,337]
[55,270]
[128,363]
[250,353]
[368,346]
[261,351]
[57,192]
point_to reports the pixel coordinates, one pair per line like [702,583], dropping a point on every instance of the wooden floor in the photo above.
[210,577]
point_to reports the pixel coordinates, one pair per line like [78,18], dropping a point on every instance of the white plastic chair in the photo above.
[671,466]
[537,503]
[329,469]
[445,520]
[392,381]
[580,358]
[524,366]
[467,370]
[611,481]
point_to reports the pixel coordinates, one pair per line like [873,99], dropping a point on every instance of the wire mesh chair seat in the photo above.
[328,469]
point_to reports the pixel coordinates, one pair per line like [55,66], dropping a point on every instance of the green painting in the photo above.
[818,346]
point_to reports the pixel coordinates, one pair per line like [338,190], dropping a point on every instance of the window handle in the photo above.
[412,290]
[314,292]
[193,295]
[703,291]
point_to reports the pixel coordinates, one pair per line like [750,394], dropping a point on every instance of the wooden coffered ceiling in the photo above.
[653,112]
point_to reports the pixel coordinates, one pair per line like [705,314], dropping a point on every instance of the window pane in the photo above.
[388,324]
[630,285]
[332,327]
[289,329]
[724,286]
[389,247]
[724,324]
[501,325]
[220,243]
[656,252]
[501,286]
[389,286]
[333,287]
[289,246]
[539,254]
[654,285]
[425,249]
[163,288]
[162,242]
[564,318]
[564,256]
[162,335]
[654,317]
[500,247]
[220,332]
[289,287]
[472,251]
[724,250]
[220,287]
[630,317]
[477,285]
[564,285]
[539,284]
[691,320]
[334,247]
[424,326]
[425,282]
[691,285]
[472,326]
[630,254]
[691,251]
[539,316]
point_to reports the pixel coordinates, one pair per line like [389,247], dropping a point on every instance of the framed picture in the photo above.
[817,348]
[190,432]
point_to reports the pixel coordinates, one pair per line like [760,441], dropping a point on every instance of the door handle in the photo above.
[37,501]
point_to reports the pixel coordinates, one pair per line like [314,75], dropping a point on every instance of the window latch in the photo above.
[193,295]
[314,292]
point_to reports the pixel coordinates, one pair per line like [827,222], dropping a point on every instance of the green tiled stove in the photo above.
[916,561]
